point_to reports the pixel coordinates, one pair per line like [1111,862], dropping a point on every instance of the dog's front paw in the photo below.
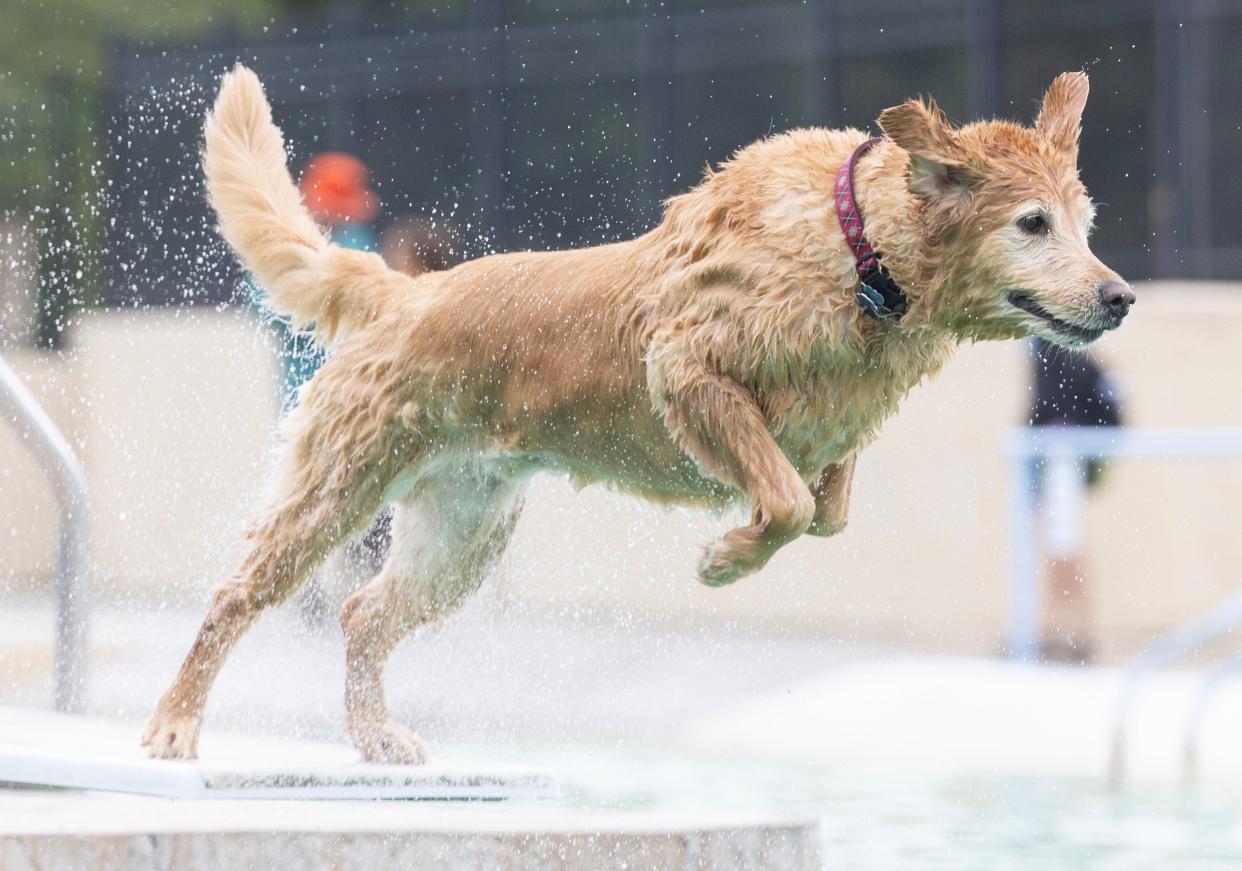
[717,568]
[391,744]
[172,736]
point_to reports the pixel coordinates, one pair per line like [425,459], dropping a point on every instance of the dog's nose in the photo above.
[1117,298]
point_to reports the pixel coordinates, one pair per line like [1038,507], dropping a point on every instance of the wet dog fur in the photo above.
[718,359]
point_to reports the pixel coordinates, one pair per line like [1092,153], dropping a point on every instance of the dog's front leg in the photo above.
[832,498]
[718,422]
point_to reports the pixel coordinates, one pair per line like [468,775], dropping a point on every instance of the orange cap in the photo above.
[335,188]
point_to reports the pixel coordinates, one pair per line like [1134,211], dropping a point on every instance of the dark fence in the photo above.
[527,130]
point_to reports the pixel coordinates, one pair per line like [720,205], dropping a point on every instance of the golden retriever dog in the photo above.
[722,358]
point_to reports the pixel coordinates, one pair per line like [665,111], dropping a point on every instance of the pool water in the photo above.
[876,819]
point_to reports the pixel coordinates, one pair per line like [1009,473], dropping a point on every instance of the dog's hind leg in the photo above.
[832,498]
[335,472]
[445,538]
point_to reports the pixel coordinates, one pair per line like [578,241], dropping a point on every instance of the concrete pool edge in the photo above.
[57,829]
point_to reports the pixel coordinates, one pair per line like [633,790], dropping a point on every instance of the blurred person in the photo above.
[415,244]
[1068,390]
[335,189]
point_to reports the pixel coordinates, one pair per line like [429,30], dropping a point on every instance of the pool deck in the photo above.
[988,716]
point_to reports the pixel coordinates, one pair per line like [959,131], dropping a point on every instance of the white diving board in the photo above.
[47,749]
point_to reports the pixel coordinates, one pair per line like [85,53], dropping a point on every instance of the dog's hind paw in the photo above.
[172,737]
[391,744]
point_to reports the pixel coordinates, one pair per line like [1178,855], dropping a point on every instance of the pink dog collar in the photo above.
[878,295]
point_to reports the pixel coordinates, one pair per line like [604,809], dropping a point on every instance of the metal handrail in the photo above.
[68,482]
[1190,737]
[1167,649]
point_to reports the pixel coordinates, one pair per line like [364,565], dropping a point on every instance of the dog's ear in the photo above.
[1060,116]
[938,164]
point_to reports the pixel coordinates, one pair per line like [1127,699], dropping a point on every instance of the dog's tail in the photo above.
[263,218]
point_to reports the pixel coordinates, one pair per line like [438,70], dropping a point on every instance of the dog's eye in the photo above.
[1035,224]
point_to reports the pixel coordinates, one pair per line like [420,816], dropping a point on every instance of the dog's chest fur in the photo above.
[835,406]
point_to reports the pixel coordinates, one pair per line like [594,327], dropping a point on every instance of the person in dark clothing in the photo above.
[1071,389]
[1068,390]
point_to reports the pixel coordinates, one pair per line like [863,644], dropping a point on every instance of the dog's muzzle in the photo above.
[1027,303]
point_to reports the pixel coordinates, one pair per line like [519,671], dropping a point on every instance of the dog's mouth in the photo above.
[1077,334]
